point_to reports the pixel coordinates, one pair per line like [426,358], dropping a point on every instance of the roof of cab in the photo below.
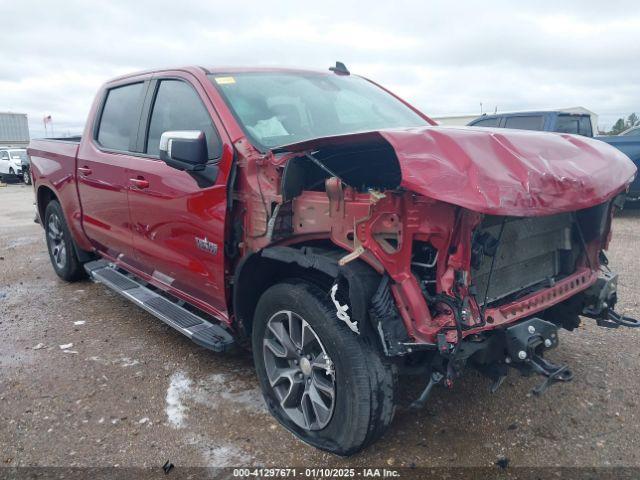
[216,70]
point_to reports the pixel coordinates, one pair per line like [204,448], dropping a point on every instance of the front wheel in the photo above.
[329,386]
[62,253]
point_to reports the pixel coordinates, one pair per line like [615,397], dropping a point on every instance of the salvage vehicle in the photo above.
[26,167]
[631,132]
[331,227]
[627,142]
[11,163]
[543,121]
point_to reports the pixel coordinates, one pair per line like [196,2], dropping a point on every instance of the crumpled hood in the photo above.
[500,171]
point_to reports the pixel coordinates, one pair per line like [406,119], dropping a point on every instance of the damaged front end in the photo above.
[465,265]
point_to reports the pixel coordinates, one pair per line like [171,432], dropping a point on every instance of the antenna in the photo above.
[340,69]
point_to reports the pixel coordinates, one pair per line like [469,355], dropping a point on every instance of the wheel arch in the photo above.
[259,271]
[44,195]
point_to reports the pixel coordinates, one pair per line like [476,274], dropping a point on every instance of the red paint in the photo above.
[498,171]
[146,216]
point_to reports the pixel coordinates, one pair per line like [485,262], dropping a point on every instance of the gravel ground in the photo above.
[130,391]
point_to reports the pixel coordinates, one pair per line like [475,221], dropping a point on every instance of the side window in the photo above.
[4,155]
[178,107]
[567,124]
[585,127]
[633,131]
[119,117]
[525,122]
[488,122]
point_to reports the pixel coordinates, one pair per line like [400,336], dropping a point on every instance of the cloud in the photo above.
[444,57]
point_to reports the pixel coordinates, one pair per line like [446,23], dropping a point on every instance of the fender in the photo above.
[357,281]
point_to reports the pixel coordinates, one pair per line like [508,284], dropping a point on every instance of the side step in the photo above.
[204,333]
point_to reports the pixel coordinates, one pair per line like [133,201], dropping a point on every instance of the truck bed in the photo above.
[59,148]
[53,167]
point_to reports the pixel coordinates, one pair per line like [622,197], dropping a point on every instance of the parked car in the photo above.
[629,144]
[631,132]
[560,122]
[576,123]
[11,163]
[24,160]
[328,224]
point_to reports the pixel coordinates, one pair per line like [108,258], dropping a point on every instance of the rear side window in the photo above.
[567,124]
[178,107]
[525,122]
[585,127]
[575,124]
[633,131]
[488,122]
[119,119]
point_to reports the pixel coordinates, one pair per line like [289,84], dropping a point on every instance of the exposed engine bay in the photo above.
[456,283]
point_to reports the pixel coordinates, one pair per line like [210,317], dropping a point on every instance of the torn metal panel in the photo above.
[499,172]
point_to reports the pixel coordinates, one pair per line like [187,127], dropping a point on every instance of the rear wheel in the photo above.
[329,386]
[62,253]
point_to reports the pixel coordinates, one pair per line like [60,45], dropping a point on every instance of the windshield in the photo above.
[18,154]
[277,108]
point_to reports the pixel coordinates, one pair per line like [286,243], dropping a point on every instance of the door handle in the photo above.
[139,183]
[84,170]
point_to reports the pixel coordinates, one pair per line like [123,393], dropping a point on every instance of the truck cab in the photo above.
[543,121]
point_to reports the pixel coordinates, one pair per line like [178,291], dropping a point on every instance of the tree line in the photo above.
[623,124]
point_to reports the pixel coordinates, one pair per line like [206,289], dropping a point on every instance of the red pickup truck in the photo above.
[331,227]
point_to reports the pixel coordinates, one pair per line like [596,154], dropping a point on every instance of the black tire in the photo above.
[364,381]
[62,251]
[26,177]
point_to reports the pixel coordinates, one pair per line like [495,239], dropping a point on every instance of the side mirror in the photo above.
[184,149]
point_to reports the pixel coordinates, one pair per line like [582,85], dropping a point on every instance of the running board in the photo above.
[204,333]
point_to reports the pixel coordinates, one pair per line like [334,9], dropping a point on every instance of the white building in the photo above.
[14,130]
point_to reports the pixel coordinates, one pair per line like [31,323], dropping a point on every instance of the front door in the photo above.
[102,179]
[178,222]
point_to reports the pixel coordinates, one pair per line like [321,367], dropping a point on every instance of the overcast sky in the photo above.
[444,57]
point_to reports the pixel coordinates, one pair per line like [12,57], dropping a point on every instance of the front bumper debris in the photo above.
[601,301]
[526,343]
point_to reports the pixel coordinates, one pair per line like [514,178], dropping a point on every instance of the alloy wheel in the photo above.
[56,241]
[300,372]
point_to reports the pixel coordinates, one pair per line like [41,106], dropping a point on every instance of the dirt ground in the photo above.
[130,391]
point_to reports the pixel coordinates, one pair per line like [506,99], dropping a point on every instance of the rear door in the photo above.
[102,163]
[525,122]
[178,219]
